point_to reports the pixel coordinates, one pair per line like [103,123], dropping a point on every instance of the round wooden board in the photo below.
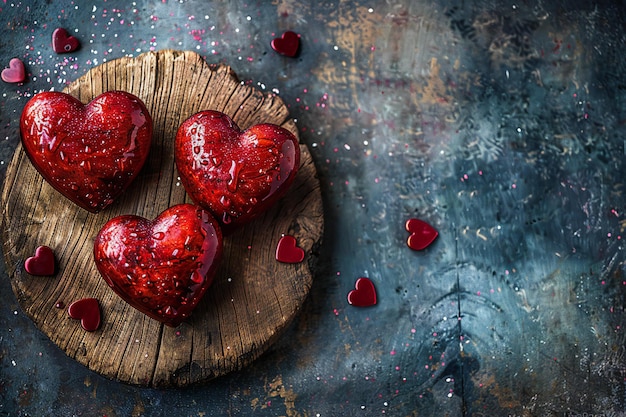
[253,297]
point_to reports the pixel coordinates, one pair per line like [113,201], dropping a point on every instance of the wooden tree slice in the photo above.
[253,297]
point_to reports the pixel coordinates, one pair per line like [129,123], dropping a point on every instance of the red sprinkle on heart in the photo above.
[15,73]
[288,44]
[42,263]
[422,234]
[287,251]
[87,311]
[63,42]
[363,294]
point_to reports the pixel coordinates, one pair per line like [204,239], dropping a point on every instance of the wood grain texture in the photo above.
[253,297]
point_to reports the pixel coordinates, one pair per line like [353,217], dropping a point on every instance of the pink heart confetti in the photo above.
[63,42]
[42,263]
[422,234]
[363,294]
[15,73]
[288,44]
[287,250]
[87,311]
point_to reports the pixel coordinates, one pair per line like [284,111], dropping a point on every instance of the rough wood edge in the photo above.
[14,267]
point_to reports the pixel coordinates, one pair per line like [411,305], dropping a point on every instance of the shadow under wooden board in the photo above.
[253,297]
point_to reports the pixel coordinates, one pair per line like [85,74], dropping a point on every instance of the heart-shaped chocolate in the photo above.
[363,294]
[87,310]
[63,42]
[236,175]
[15,73]
[42,263]
[422,234]
[287,250]
[89,153]
[161,267]
[288,44]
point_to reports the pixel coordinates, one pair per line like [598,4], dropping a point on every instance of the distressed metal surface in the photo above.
[500,123]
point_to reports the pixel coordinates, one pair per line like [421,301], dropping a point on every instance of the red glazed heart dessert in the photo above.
[161,267]
[89,153]
[236,175]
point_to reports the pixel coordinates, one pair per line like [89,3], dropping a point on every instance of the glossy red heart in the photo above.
[87,310]
[235,175]
[422,234]
[288,44]
[287,250]
[363,294]
[15,73]
[63,42]
[89,153]
[162,267]
[42,263]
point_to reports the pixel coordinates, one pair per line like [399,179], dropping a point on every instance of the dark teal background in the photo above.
[501,123]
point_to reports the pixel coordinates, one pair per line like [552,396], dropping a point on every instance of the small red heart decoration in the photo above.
[87,311]
[287,251]
[63,42]
[15,73]
[42,263]
[161,267]
[363,294]
[422,234]
[89,153]
[235,175]
[287,44]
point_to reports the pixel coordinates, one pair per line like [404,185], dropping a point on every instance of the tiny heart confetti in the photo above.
[15,73]
[63,42]
[87,311]
[288,44]
[42,263]
[422,234]
[363,294]
[287,250]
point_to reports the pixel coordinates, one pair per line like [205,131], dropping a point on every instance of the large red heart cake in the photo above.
[236,175]
[161,267]
[89,153]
